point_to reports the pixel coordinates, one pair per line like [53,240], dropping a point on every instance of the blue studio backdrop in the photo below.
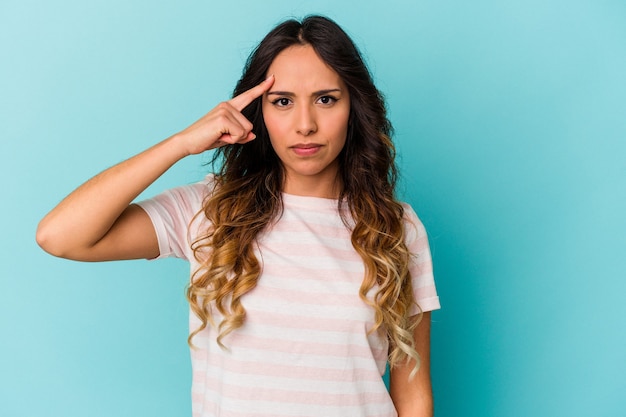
[510,123]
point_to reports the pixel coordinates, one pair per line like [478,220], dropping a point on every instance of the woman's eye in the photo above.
[327,99]
[281,102]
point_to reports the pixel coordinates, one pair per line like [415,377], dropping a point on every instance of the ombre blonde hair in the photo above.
[246,198]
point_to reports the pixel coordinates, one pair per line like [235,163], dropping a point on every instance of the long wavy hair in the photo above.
[248,183]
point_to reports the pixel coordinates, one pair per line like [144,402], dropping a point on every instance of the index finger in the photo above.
[242,100]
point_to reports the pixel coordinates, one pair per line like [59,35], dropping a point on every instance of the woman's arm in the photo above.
[414,398]
[97,221]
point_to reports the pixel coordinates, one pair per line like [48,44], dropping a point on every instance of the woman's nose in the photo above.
[306,121]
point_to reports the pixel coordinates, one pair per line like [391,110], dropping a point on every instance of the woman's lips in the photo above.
[306,149]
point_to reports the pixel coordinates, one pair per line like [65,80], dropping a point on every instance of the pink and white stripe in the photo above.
[304,349]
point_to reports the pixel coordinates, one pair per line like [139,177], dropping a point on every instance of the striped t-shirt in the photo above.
[304,349]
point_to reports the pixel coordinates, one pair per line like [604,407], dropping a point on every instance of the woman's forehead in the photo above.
[299,68]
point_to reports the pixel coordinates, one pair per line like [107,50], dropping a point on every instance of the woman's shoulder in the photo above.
[195,193]
[186,200]
[413,226]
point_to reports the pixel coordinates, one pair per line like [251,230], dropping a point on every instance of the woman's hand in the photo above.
[224,124]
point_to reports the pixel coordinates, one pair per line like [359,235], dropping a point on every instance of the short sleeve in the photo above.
[172,213]
[421,264]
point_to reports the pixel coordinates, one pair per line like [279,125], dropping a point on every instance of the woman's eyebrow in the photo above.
[315,93]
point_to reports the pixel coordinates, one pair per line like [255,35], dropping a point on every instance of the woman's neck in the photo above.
[313,187]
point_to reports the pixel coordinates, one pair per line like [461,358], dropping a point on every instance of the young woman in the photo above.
[307,275]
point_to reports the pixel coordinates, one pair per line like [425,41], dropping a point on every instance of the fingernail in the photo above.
[269,76]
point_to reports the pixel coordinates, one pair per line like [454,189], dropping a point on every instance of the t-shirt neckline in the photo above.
[292,200]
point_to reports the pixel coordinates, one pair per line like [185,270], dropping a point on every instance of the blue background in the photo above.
[511,126]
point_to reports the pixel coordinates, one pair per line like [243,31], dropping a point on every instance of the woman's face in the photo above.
[306,113]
